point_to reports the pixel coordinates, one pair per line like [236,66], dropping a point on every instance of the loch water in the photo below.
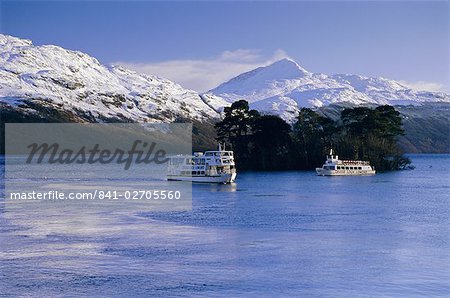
[268,234]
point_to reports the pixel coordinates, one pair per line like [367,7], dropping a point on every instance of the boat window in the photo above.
[175,161]
[359,168]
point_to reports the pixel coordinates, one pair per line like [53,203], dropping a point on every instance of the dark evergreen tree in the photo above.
[271,143]
[236,129]
[372,133]
[313,133]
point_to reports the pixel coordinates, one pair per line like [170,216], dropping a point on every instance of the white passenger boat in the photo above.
[335,167]
[209,167]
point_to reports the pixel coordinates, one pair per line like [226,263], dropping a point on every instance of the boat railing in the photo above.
[355,162]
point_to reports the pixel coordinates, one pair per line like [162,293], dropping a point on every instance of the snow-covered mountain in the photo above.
[52,83]
[284,87]
[42,81]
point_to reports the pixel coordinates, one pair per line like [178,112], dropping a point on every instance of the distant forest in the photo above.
[267,142]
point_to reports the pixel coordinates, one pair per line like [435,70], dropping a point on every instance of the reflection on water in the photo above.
[290,233]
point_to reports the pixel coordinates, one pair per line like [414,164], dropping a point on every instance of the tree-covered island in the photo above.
[267,142]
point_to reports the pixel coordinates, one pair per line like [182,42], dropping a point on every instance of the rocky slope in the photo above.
[52,83]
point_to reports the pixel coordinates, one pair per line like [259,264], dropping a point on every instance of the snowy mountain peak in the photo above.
[286,68]
[284,87]
[262,82]
[7,42]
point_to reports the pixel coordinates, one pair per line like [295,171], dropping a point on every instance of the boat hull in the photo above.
[222,179]
[323,172]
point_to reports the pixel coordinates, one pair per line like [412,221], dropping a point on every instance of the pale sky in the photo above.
[200,44]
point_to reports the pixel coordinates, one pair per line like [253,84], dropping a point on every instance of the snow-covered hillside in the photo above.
[42,79]
[284,87]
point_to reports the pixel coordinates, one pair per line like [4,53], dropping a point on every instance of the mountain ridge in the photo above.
[51,84]
[284,87]
[58,79]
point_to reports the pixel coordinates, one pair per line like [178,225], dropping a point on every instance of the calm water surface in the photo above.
[288,233]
